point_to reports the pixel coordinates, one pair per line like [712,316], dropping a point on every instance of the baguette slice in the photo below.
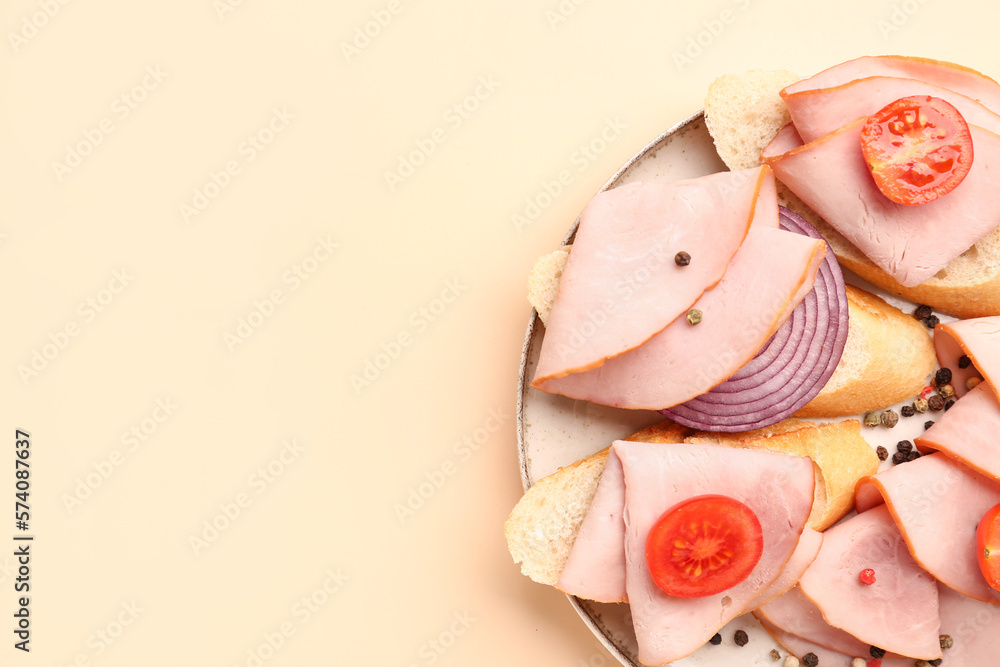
[969,286]
[541,529]
[543,525]
[887,359]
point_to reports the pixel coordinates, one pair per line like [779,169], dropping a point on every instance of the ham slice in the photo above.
[740,314]
[805,553]
[777,487]
[973,625]
[621,285]
[800,646]
[899,612]
[796,614]
[910,243]
[818,112]
[968,432]
[595,568]
[929,499]
[979,339]
[962,80]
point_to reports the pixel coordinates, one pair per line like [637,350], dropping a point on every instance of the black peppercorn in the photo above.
[810,660]
[935,662]
[964,361]
[931,321]
[741,638]
[904,446]
[682,259]
[898,457]
[716,639]
[913,456]
[928,424]
[935,403]
[943,376]
[948,404]
[876,652]
[907,411]
[923,312]
[882,452]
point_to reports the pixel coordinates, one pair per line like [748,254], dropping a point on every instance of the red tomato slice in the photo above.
[988,546]
[917,149]
[703,546]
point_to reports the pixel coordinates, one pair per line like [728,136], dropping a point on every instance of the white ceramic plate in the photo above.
[554,431]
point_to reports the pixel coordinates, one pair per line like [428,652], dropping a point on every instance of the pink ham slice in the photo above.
[973,625]
[621,285]
[799,647]
[899,612]
[805,553]
[818,112]
[740,314]
[962,80]
[968,432]
[977,338]
[595,569]
[910,243]
[937,502]
[777,487]
[796,614]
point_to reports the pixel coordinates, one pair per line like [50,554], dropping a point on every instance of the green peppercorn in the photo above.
[694,316]
[920,405]
[890,418]
[775,654]
[946,641]
[946,391]
[872,419]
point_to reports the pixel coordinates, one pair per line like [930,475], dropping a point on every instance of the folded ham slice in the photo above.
[817,112]
[899,612]
[595,568]
[962,80]
[621,285]
[973,626]
[796,614]
[777,487]
[968,432]
[929,498]
[740,314]
[800,646]
[977,338]
[805,553]
[910,243]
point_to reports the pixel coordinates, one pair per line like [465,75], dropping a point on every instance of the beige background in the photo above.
[125,311]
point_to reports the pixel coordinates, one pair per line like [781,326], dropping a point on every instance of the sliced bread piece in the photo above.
[889,357]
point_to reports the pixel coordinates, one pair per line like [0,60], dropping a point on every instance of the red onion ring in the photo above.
[791,368]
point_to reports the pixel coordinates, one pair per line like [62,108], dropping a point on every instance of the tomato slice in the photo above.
[917,149]
[988,546]
[703,546]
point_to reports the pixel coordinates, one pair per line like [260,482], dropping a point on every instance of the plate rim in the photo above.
[592,623]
